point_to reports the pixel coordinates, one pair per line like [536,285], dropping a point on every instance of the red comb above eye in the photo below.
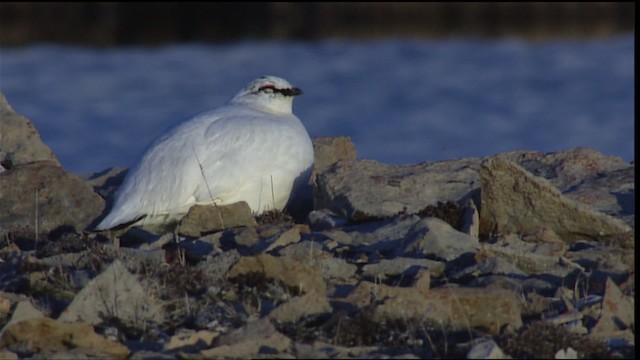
[267,87]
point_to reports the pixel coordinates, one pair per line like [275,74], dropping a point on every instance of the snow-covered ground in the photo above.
[400,100]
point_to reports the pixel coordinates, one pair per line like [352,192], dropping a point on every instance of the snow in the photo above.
[400,100]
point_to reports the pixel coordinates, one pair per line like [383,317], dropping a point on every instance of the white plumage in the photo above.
[253,149]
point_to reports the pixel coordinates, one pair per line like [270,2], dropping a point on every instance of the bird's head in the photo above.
[268,93]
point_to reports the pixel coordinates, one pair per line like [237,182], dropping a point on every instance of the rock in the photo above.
[363,189]
[204,219]
[401,266]
[376,234]
[570,168]
[191,341]
[312,254]
[451,307]
[526,261]
[487,349]
[241,239]
[329,150]
[20,142]
[515,201]
[45,334]
[434,237]
[24,310]
[285,238]
[300,307]
[107,182]
[324,219]
[617,317]
[7,355]
[247,342]
[290,272]
[114,293]
[40,197]
[568,353]
[488,266]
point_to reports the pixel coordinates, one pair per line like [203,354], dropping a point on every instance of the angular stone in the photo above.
[401,266]
[567,169]
[45,334]
[617,315]
[246,342]
[454,308]
[487,349]
[515,201]
[299,307]
[20,142]
[204,219]
[290,272]
[366,188]
[434,237]
[41,196]
[115,293]
[312,254]
[24,310]
[192,341]
[329,150]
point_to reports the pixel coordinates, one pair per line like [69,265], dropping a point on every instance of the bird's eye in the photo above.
[270,89]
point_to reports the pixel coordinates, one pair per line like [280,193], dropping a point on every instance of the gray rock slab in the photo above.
[246,342]
[204,219]
[115,292]
[436,238]
[20,142]
[315,255]
[402,266]
[300,306]
[41,196]
[358,190]
[328,150]
[24,310]
[569,168]
[455,308]
[516,201]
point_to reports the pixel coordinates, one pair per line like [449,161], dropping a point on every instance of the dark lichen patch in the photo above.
[274,217]
[450,212]
[391,337]
[541,339]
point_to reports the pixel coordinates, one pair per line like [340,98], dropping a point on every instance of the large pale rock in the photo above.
[366,188]
[434,237]
[329,150]
[300,306]
[606,183]
[456,308]
[516,201]
[617,316]
[24,310]
[451,307]
[45,334]
[115,293]
[290,272]
[246,342]
[204,219]
[41,196]
[20,142]
[569,168]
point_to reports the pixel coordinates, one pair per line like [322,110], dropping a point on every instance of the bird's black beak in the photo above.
[291,92]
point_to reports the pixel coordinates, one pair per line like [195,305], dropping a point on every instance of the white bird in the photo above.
[253,149]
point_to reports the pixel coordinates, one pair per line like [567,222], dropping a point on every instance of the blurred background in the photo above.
[112,24]
[408,82]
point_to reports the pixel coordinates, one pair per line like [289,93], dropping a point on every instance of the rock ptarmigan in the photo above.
[253,149]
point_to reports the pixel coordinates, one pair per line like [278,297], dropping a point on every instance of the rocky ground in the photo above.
[521,255]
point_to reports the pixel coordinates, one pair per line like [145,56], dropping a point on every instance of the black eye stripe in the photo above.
[287,92]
